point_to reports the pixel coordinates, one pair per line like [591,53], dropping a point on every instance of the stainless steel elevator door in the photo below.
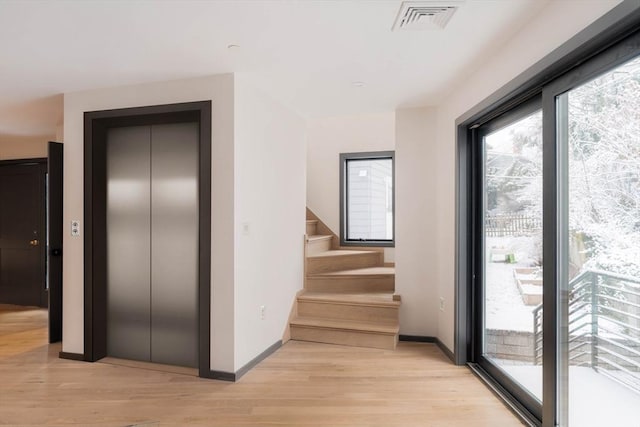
[129,243]
[174,244]
[152,243]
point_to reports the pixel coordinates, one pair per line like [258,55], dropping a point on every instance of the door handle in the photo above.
[34,242]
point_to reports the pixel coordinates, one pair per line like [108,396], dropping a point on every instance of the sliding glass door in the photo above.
[554,247]
[599,140]
[510,251]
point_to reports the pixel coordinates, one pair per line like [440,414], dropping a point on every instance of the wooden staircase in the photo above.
[348,296]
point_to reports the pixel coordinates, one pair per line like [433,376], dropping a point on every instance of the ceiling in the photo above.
[306,53]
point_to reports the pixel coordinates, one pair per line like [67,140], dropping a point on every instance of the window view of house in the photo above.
[368,197]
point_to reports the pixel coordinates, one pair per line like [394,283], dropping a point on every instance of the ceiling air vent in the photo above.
[425,15]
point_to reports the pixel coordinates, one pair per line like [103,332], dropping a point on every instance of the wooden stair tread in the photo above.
[358,272]
[383,299]
[349,294]
[317,237]
[346,325]
[340,252]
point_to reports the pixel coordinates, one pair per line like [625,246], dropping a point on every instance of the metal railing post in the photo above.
[535,336]
[594,321]
[618,349]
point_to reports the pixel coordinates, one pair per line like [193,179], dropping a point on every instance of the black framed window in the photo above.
[367,198]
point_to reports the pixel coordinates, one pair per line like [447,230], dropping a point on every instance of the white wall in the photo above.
[24,147]
[327,138]
[270,192]
[219,89]
[416,213]
[538,38]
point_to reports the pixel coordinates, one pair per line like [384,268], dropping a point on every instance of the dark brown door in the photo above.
[22,234]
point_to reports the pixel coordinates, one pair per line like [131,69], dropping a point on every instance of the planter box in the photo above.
[529,283]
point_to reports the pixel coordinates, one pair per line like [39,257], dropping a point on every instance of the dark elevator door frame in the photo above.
[96,124]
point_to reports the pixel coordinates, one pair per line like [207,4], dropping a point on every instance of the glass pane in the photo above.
[603,249]
[513,251]
[370,199]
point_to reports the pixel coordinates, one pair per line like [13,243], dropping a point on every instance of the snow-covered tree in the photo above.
[604,165]
[604,169]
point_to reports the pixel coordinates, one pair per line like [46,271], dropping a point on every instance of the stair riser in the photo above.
[317,246]
[348,312]
[312,229]
[345,262]
[351,284]
[344,337]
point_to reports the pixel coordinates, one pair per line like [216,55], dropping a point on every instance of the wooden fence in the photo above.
[511,225]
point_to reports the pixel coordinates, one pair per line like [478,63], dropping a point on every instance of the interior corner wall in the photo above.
[416,210]
[327,138]
[23,147]
[218,89]
[550,28]
[270,193]
[59,132]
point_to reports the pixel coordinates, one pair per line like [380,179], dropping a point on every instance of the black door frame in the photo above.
[54,193]
[96,125]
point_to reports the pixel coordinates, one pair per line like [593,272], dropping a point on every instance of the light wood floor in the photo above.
[21,329]
[302,384]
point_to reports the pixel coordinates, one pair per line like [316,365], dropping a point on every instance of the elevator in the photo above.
[152,243]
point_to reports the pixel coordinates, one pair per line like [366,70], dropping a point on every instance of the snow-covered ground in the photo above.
[594,400]
[505,308]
